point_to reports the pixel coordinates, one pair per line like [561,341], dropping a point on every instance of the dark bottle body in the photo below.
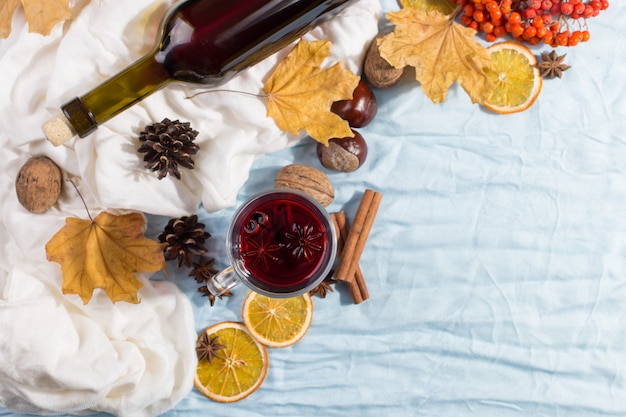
[201,41]
[233,34]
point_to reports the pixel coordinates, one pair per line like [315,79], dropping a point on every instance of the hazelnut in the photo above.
[38,184]
[343,154]
[306,179]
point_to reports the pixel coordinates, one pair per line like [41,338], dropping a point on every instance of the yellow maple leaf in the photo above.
[300,93]
[104,253]
[444,6]
[441,51]
[42,15]
[7,8]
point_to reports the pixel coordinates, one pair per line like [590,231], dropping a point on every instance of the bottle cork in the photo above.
[58,130]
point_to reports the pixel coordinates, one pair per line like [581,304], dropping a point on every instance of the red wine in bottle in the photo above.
[199,41]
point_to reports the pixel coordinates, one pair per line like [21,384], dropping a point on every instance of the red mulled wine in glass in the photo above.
[280,243]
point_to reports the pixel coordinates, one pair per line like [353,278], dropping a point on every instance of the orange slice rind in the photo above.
[277,322]
[516,77]
[238,368]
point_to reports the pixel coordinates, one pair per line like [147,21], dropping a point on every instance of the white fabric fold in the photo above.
[42,73]
[58,355]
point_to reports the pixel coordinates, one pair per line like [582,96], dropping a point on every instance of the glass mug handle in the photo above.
[292,211]
[222,282]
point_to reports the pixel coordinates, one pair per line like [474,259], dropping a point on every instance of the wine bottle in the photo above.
[199,41]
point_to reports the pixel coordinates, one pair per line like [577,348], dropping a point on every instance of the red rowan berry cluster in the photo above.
[553,22]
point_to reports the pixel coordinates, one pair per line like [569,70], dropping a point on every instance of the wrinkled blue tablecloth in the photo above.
[496,266]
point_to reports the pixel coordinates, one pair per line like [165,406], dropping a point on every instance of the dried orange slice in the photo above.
[236,367]
[277,322]
[516,77]
[444,6]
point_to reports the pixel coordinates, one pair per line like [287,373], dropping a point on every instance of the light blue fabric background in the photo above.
[496,266]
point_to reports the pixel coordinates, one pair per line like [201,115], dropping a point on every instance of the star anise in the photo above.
[262,252]
[203,270]
[207,293]
[303,241]
[207,347]
[324,287]
[552,65]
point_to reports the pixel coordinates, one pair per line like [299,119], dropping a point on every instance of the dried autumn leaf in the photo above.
[444,6]
[441,51]
[104,253]
[7,8]
[300,93]
[42,15]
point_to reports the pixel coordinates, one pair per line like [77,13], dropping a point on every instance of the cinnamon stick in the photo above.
[360,292]
[341,227]
[358,234]
[360,282]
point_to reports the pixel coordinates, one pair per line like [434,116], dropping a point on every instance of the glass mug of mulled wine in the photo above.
[280,243]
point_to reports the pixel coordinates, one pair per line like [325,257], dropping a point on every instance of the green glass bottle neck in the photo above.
[115,95]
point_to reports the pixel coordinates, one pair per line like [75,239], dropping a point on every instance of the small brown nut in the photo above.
[38,184]
[377,70]
[306,179]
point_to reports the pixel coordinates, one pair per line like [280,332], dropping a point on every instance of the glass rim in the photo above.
[241,272]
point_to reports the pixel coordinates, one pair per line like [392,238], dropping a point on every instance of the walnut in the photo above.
[377,70]
[306,179]
[38,184]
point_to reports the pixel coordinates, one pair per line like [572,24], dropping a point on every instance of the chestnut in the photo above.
[343,154]
[360,110]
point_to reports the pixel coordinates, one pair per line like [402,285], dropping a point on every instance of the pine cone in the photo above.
[185,238]
[167,145]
